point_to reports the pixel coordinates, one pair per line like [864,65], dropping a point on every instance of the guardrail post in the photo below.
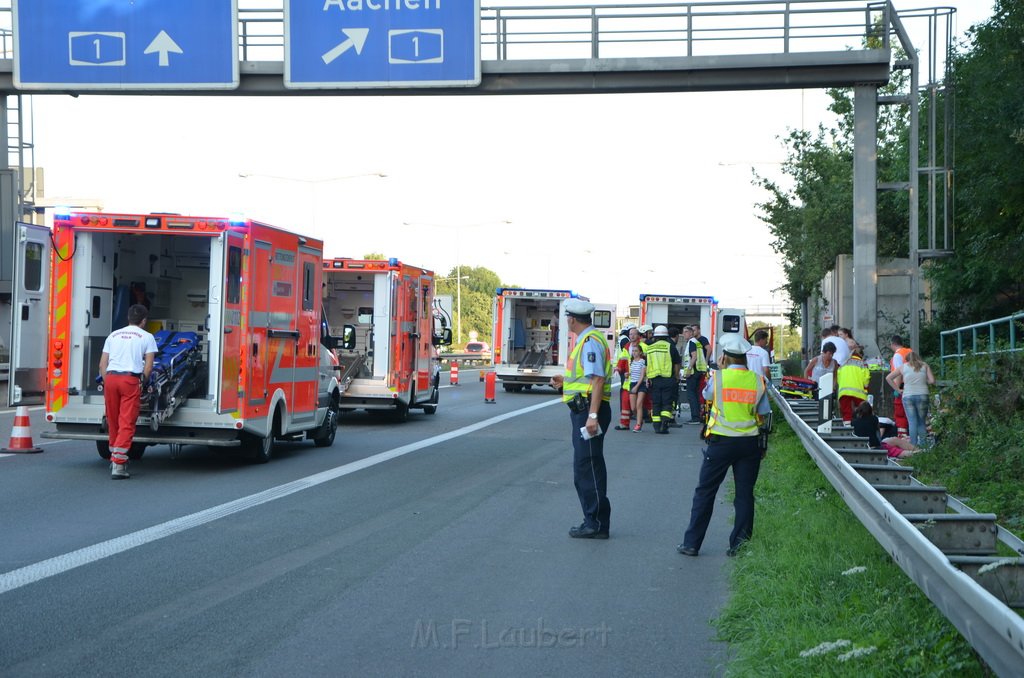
[595,34]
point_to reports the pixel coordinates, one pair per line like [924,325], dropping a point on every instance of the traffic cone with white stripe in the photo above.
[453,374]
[21,434]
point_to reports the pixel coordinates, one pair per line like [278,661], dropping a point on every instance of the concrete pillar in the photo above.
[865,218]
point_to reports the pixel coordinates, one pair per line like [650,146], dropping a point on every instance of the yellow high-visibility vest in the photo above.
[702,360]
[659,359]
[852,379]
[574,381]
[624,355]
[734,407]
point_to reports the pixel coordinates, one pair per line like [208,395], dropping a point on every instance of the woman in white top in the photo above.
[912,378]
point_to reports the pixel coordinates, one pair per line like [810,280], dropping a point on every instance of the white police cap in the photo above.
[734,344]
[578,307]
[661,331]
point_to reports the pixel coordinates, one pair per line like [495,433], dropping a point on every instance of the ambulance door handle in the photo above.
[283,334]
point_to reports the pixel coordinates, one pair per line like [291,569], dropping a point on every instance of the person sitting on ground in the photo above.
[867,425]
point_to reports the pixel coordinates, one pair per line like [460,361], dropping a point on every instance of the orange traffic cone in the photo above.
[453,374]
[21,434]
[489,387]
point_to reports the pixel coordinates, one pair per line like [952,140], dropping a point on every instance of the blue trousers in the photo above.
[693,394]
[588,469]
[722,453]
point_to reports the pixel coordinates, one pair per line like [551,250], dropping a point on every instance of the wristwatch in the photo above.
[592,415]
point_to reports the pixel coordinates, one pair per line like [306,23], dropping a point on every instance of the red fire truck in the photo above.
[237,299]
[384,311]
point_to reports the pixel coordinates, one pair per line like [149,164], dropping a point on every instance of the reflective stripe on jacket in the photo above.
[574,380]
[734,407]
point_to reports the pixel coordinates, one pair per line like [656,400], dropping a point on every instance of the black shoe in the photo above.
[686,550]
[619,427]
[583,532]
[663,429]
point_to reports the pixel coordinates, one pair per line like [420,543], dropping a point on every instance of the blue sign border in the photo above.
[39,68]
[296,70]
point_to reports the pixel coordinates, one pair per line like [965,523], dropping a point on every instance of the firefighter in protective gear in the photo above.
[587,390]
[662,365]
[852,379]
[739,405]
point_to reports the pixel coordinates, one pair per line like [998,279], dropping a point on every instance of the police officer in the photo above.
[738,404]
[662,369]
[586,389]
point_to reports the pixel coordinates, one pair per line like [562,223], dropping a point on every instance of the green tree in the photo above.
[374,256]
[811,214]
[478,285]
[984,278]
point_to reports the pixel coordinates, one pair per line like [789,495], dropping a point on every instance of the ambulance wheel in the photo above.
[136,451]
[103,448]
[328,430]
[435,396]
[508,388]
[258,448]
[401,412]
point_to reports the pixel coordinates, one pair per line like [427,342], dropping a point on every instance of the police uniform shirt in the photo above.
[592,356]
[764,406]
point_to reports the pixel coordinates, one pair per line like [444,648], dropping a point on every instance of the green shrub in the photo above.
[979,430]
[812,574]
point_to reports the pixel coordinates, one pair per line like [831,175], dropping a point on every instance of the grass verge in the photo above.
[813,575]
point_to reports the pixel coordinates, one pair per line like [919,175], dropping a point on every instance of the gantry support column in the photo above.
[865,217]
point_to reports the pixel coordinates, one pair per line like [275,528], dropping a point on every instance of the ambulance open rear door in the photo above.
[30,293]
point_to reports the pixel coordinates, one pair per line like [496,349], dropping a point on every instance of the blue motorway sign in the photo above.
[340,44]
[125,44]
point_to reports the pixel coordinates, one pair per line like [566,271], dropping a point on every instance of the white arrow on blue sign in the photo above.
[125,44]
[349,44]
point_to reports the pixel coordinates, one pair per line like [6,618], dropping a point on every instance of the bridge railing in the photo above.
[989,338]
[680,29]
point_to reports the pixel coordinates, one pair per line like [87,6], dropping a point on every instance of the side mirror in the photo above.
[348,338]
[443,339]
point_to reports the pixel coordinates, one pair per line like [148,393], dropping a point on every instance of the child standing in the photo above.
[638,384]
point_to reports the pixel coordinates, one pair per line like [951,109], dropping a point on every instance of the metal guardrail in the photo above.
[992,628]
[1002,337]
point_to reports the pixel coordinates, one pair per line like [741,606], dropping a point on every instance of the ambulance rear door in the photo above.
[229,253]
[30,284]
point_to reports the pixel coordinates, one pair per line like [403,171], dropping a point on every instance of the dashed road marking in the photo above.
[30,574]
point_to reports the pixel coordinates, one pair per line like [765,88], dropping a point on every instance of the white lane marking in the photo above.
[6,455]
[53,566]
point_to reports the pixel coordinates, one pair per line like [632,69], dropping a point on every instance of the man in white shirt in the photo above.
[125,366]
[842,348]
[758,359]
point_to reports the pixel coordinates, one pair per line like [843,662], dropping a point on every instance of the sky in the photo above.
[610,196]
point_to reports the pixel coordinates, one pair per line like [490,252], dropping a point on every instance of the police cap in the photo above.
[578,307]
[734,345]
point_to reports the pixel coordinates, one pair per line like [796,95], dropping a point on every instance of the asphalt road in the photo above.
[434,547]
